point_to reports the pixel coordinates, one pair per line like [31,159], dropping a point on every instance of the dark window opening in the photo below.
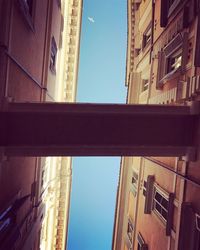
[27,10]
[130,230]
[53,55]
[29,5]
[146,37]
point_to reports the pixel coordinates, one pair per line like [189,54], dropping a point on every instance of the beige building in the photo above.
[158,202]
[57,171]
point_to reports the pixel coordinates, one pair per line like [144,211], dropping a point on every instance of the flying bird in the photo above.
[91,19]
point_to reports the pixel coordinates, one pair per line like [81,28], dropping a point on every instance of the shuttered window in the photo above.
[172,58]
[141,243]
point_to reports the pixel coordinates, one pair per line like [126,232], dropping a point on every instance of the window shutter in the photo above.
[189,12]
[192,10]
[173,45]
[163,13]
[149,194]
[170,214]
[187,227]
[197,49]
[161,69]
[184,59]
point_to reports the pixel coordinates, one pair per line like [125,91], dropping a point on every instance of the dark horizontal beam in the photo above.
[53,129]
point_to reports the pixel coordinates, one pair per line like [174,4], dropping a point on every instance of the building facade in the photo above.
[57,171]
[39,46]
[158,203]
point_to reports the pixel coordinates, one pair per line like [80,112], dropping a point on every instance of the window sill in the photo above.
[171,75]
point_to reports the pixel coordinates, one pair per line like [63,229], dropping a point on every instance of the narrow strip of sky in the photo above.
[101,80]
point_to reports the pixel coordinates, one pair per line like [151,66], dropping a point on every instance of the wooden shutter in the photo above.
[160,69]
[149,194]
[170,214]
[164,13]
[184,59]
[187,227]
[197,49]
[190,10]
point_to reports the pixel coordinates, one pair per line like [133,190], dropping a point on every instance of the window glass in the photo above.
[174,61]
[160,204]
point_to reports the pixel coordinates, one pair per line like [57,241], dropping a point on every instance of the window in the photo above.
[145,84]
[144,188]
[172,59]
[197,222]
[53,55]
[148,192]
[29,6]
[130,230]
[146,37]
[197,232]
[160,204]
[171,2]
[141,243]
[8,217]
[167,7]
[26,7]
[134,182]
[163,207]
[189,229]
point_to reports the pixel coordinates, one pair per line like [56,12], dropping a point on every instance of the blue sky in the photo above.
[101,80]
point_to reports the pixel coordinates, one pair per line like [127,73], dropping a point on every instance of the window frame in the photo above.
[53,55]
[130,230]
[179,44]
[189,237]
[168,222]
[28,12]
[145,85]
[146,40]
[172,66]
[164,195]
[141,243]
[134,182]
